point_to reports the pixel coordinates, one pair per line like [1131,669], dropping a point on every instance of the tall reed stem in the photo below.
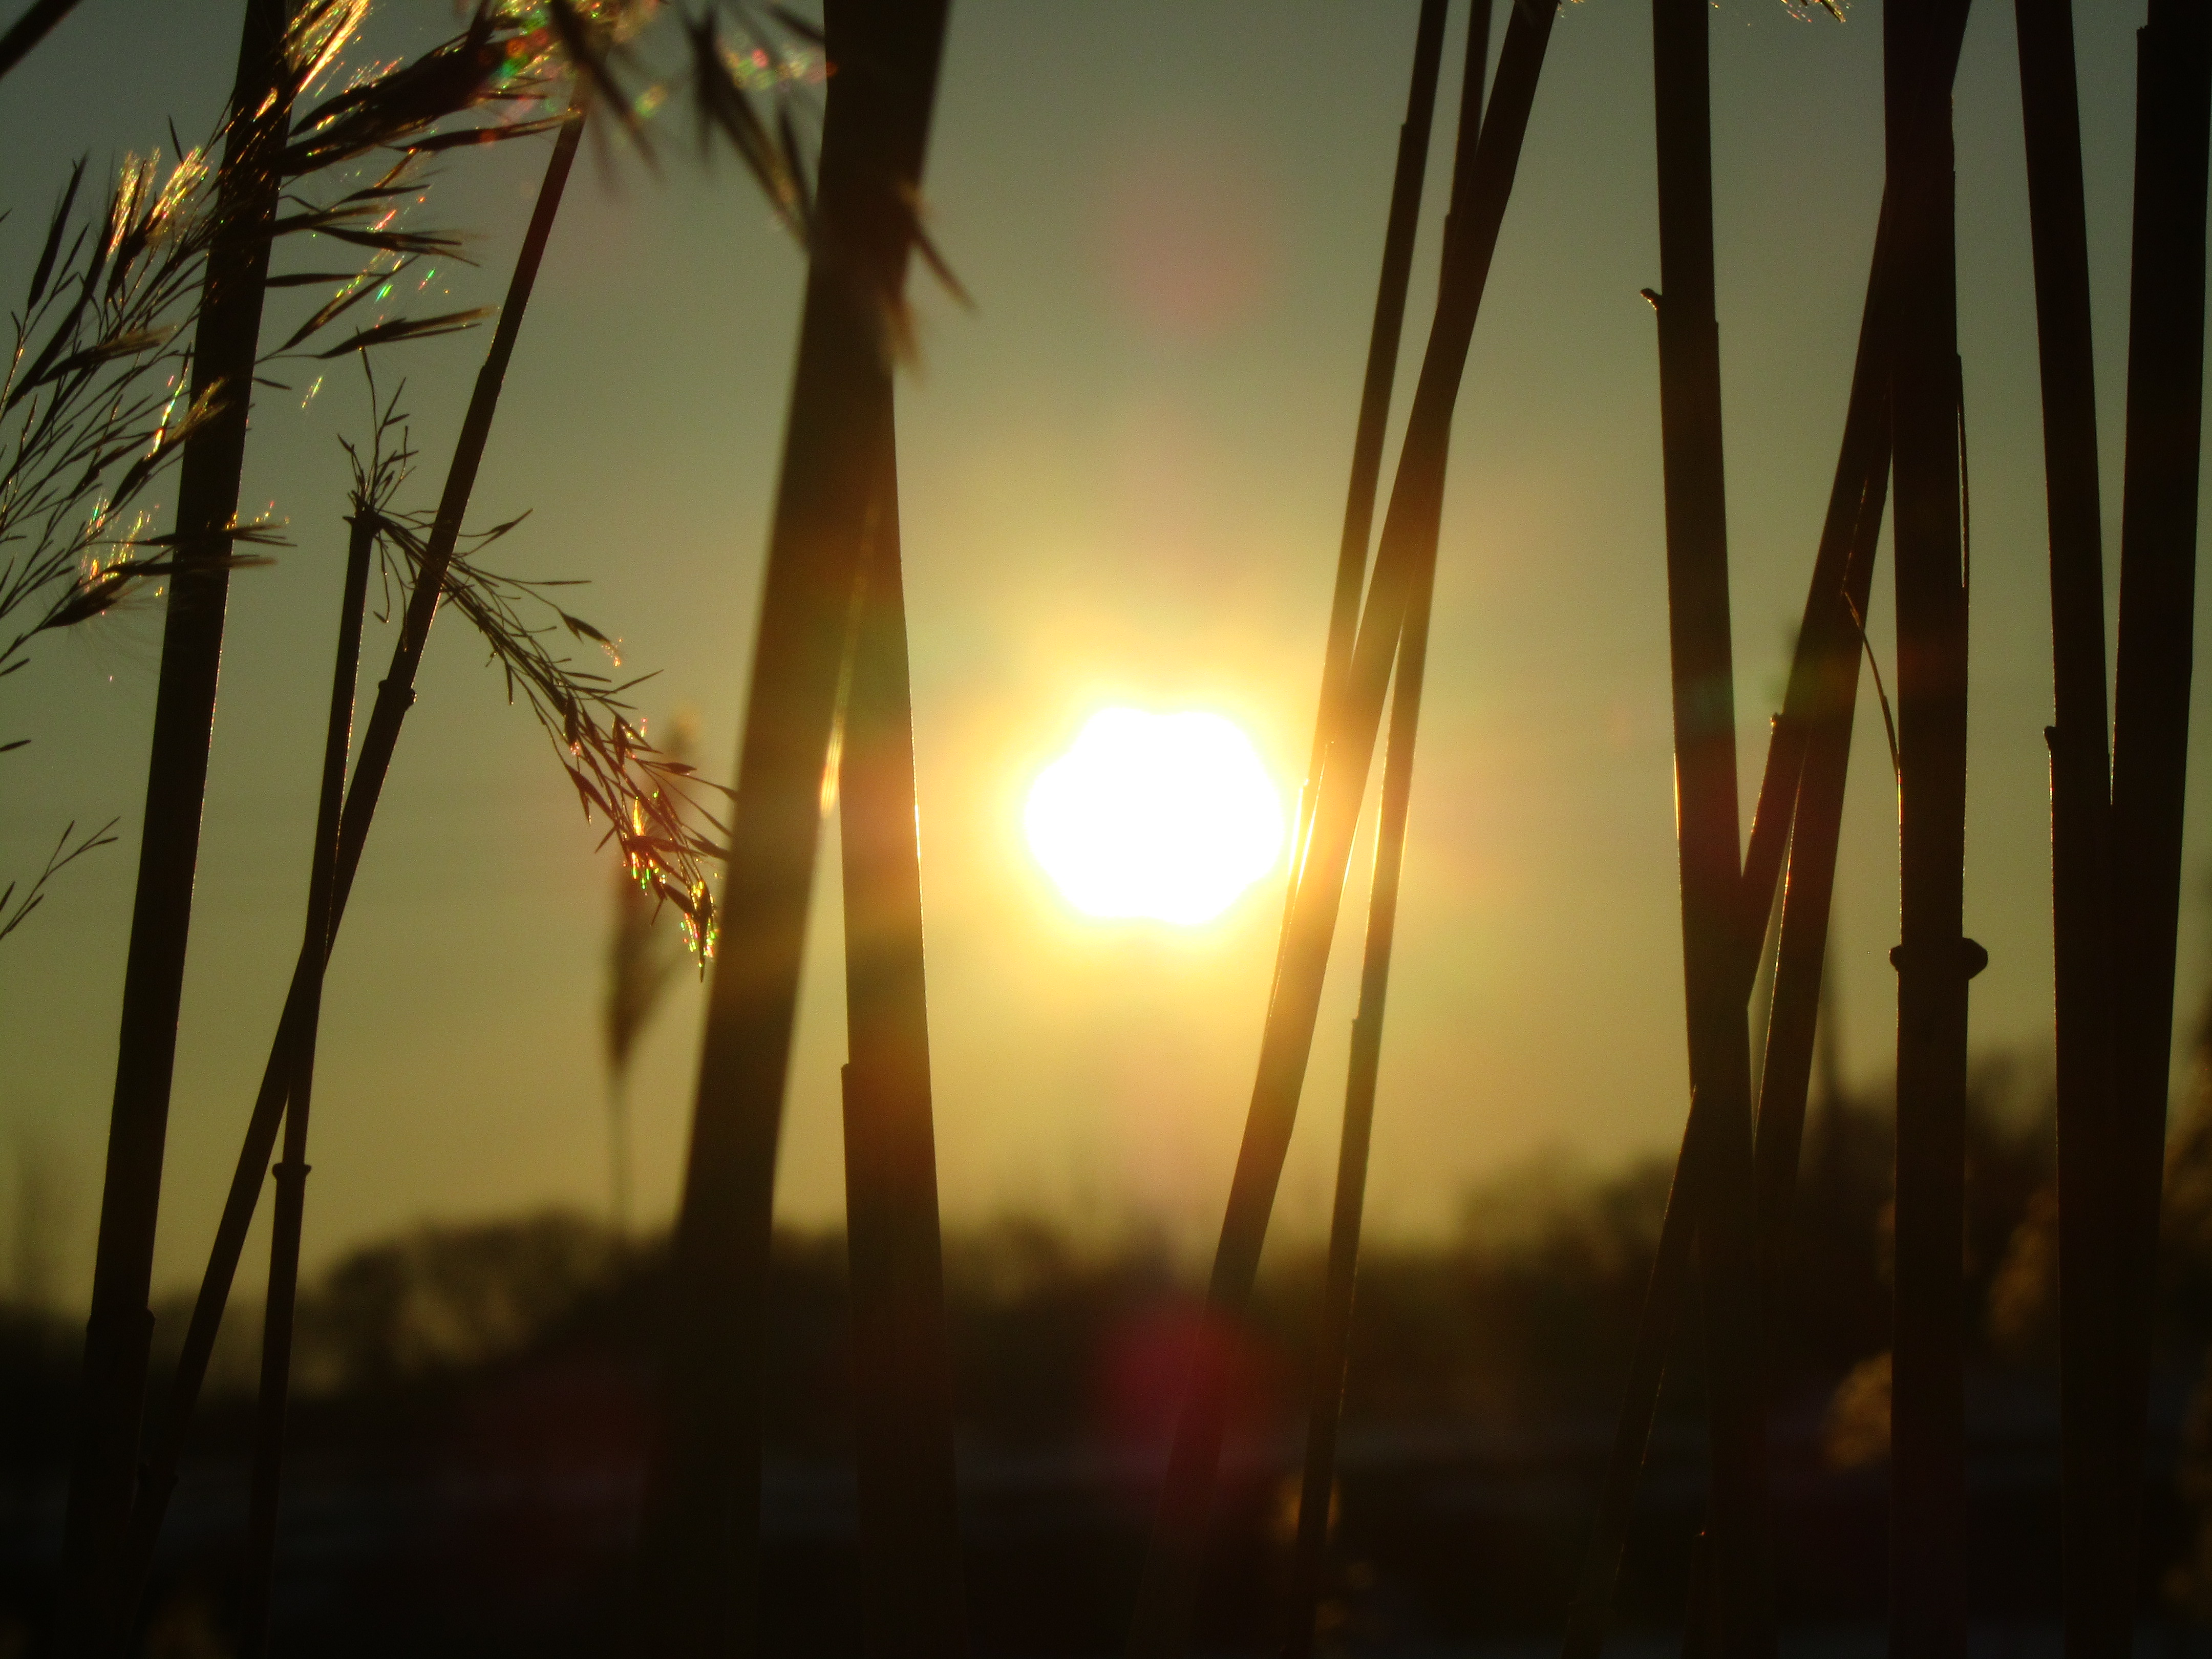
[913,1603]
[1399,233]
[1332,1347]
[1706,819]
[702,1518]
[2081,814]
[395,696]
[291,1173]
[1160,1627]
[1934,959]
[2150,733]
[112,1388]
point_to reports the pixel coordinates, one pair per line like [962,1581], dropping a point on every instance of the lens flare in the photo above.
[1165,817]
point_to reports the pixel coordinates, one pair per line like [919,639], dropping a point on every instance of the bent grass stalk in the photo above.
[1159,1628]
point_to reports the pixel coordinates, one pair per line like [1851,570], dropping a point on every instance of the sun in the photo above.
[1165,817]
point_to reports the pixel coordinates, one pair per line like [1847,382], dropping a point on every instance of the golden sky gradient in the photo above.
[1122,480]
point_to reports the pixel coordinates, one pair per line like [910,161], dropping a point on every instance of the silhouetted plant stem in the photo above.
[2150,733]
[37,21]
[1408,549]
[911,1587]
[1398,240]
[1821,704]
[1332,1347]
[1934,959]
[291,1174]
[2081,812]
[1808,756]
[1334,1341]
[112,1388]
[1706,820]
[703,1514]
[395,695]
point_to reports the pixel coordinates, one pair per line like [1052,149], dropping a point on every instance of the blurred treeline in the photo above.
[490,1380]
[1525,1313]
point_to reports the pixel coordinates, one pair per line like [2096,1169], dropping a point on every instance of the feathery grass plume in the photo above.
[1934,959]
[266,159]
[60,858]
[1319,1476]
[1174,1557]
[642,961]
[2098,1588]
[2150,730]
[395,695]
[699,1538]
[89,406]
[1713,911]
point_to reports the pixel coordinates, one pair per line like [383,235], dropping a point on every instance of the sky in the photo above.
[1121,484]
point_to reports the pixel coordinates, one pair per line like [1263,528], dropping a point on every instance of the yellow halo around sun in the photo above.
[1165,817]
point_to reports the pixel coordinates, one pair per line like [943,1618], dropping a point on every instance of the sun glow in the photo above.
[1167,816]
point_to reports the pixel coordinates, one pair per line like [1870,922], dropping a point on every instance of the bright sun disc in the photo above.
[1169,817]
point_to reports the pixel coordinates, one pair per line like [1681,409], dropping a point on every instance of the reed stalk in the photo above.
[701,1538]
[1706,819]
[1821,705]
[1399,232]
[1801,788]
[395,695]
[2150,733]
[1934,959]
[1808,756]
[912,1599]
[1318,1483]
[114,1378]
[1159,1629]
[36,22]
[2081,815]
[1332,1347]
[291,1173]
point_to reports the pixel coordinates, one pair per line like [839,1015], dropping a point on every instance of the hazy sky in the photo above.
[1122,479]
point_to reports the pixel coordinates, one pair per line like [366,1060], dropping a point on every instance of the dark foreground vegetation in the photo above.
[470,1433]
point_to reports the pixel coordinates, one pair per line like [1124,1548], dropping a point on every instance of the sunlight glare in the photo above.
[1167,816]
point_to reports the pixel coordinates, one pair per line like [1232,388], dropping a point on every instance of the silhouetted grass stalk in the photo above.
[1713,908]
[1399,233]
[1160,1627]
[2081,813]
[395,695]
[911,1572]
[2150,733]
[1934,959]
[1808,753]
[291,1173]
[1318,1483]
[112,1390]
[700,1534]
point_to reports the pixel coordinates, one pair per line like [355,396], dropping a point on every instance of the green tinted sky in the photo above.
[1122,476]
